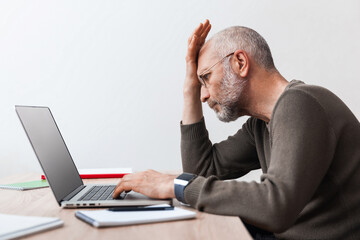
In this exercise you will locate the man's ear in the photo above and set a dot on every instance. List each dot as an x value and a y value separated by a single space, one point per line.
242 63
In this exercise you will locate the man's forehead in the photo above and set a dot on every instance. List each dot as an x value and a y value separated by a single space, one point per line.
206 57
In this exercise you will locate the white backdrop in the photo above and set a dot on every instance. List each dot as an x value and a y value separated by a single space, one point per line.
112 71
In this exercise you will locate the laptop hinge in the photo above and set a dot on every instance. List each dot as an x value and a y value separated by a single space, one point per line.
73 193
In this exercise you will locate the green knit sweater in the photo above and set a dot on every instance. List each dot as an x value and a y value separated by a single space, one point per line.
310 157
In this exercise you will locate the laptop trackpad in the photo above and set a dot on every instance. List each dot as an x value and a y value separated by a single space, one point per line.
134 195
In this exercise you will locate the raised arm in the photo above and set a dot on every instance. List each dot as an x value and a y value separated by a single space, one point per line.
199 155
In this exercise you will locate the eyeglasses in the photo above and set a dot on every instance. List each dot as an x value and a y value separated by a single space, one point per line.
203 77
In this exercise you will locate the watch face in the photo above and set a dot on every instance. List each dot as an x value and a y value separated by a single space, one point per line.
180 182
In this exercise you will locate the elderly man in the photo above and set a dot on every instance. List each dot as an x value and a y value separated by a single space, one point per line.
303 137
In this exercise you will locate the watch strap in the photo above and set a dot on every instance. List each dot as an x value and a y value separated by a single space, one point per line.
180 184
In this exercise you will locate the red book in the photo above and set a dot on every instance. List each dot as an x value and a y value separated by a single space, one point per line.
102 173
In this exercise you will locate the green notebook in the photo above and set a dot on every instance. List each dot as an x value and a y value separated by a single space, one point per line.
26 185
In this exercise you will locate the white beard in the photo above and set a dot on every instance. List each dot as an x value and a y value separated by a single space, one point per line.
232 88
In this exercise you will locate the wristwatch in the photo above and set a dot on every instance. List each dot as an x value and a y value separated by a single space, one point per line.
180 184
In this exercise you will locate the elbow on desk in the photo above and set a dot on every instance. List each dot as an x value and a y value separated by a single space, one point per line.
278 224
278 219
274 219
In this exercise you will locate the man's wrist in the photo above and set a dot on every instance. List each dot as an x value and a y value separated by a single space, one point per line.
170 187
192 92
192 111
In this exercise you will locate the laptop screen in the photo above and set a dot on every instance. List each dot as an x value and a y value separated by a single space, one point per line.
50 149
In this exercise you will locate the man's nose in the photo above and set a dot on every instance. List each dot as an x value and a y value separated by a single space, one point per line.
204 94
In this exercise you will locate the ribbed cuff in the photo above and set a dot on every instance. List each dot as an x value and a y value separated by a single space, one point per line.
192 191
193 131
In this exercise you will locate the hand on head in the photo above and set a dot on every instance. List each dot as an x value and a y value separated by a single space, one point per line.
196 40
192 111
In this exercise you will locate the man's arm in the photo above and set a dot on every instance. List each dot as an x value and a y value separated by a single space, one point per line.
192 111
198 154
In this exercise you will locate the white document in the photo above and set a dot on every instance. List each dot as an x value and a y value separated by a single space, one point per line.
14 226
106 218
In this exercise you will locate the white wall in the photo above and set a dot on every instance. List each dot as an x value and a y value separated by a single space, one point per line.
112 71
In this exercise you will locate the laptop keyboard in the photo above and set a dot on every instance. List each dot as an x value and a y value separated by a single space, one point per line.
100 193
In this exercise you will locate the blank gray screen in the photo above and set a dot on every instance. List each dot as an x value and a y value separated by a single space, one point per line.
50 149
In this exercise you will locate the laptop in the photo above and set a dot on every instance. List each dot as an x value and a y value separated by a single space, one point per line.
60 170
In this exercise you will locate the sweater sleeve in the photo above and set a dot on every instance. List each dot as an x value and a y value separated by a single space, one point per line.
231 158
303 144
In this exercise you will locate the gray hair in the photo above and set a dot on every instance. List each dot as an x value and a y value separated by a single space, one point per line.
237 37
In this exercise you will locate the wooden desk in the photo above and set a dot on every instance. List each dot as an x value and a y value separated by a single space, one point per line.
41 202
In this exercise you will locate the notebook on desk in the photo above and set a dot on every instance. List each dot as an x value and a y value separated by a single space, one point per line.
15 226
60 170
106 218
25 185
